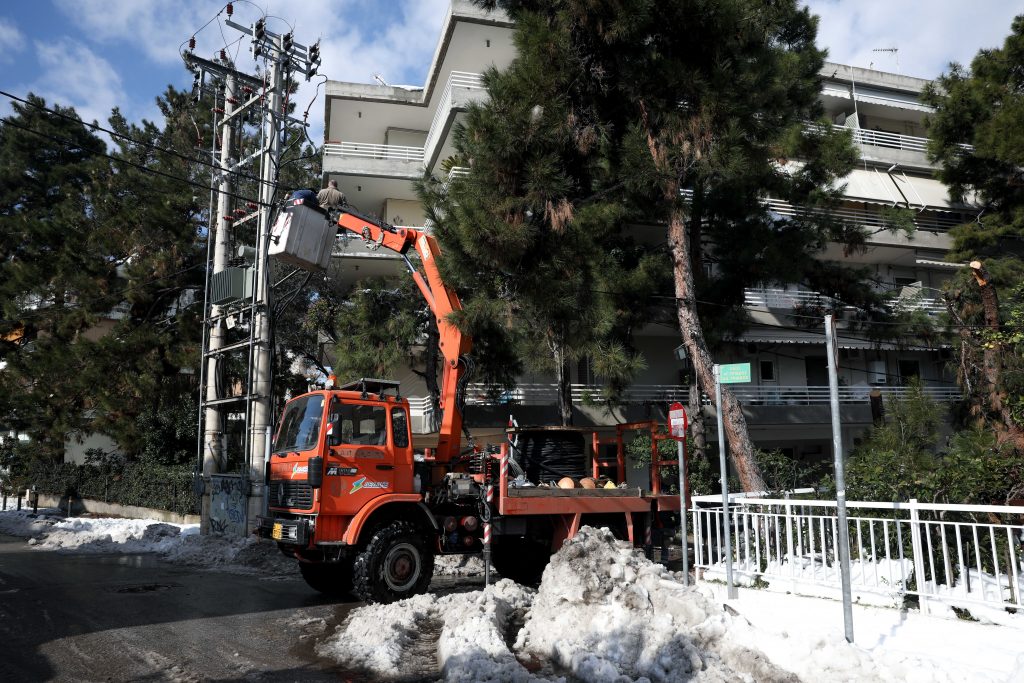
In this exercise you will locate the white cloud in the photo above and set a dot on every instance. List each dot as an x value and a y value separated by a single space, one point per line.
358 37
74 75
12 39
928 35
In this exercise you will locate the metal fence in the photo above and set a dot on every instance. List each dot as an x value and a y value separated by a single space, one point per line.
963 556
767 394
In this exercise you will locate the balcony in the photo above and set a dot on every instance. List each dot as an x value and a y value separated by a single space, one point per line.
546 394
357 158
905 300
462 89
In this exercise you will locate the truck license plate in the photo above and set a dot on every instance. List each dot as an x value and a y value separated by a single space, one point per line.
276 533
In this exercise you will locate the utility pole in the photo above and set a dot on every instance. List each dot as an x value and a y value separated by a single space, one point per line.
262 371
213 455
250 294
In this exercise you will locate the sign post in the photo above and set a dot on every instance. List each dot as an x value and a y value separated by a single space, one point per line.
734 373
677 424
837 451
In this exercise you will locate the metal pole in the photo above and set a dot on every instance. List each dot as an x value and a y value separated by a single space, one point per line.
837 450
261 371
681 459
213 455
726 522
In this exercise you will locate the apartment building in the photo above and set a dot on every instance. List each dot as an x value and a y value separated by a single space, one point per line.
379 139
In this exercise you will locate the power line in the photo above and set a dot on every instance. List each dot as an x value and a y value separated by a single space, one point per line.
132 140
145 169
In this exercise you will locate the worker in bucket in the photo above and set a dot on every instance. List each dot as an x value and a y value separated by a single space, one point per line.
331 198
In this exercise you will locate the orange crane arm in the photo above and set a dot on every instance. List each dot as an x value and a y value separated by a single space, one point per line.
442 302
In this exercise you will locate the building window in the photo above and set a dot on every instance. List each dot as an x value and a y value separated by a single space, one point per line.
768 371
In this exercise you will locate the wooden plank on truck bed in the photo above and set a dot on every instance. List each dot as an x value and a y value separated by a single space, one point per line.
540 492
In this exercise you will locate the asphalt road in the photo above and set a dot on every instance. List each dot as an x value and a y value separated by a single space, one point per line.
83 617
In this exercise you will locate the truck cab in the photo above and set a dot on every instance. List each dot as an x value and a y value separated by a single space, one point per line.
340 455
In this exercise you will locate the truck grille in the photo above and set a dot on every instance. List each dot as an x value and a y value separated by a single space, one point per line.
285 493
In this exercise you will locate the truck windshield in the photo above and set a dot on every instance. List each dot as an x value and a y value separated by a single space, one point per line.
300 427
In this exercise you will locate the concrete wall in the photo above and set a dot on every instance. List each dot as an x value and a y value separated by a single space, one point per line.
97 507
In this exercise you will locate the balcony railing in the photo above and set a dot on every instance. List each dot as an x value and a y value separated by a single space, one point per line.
763 297
456 172
547 394
361 150
868 216
879 138
457 79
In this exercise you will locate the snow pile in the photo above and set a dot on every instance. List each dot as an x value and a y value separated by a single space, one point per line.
606 613
980 586
458 565
461 637
239 555
181 544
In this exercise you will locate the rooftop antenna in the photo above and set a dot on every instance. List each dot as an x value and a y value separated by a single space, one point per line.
380 79
894 51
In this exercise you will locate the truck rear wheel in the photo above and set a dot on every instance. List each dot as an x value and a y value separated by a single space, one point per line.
330 578
397 563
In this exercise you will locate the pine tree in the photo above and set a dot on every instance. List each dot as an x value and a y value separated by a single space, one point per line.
531 234
699 105
85 235
984 107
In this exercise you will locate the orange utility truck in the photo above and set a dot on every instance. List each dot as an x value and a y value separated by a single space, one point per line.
365 513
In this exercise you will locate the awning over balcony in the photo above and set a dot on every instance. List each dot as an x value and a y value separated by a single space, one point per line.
871 186
768 335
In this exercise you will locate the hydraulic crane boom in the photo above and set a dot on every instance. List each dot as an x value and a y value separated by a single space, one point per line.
442 300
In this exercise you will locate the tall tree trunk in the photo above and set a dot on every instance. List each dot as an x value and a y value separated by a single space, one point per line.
563 379
740 447
992 360
698 430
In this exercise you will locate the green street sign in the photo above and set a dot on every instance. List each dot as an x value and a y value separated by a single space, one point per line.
734 373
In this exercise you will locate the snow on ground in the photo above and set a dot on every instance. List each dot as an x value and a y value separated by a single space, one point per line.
873 582
603 613
806 635
460 637
178 543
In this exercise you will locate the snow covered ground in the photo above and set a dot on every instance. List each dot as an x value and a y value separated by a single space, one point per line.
603 613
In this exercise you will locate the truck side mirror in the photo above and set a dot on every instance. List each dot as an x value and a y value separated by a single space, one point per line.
315 472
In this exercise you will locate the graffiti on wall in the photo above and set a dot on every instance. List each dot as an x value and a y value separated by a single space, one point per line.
227 506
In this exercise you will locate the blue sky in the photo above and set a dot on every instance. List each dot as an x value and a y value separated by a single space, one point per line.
97 54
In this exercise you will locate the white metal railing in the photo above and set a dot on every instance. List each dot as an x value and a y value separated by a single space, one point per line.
547 394
954 554
869 216
455 172
361 150
764 297
878 138
457 79
767 297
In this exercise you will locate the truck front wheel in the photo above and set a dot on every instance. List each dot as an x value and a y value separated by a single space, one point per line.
397 563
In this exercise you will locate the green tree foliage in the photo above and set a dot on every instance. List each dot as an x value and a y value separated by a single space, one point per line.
378 324
532 233
984 107
100 264
909 457
688 112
